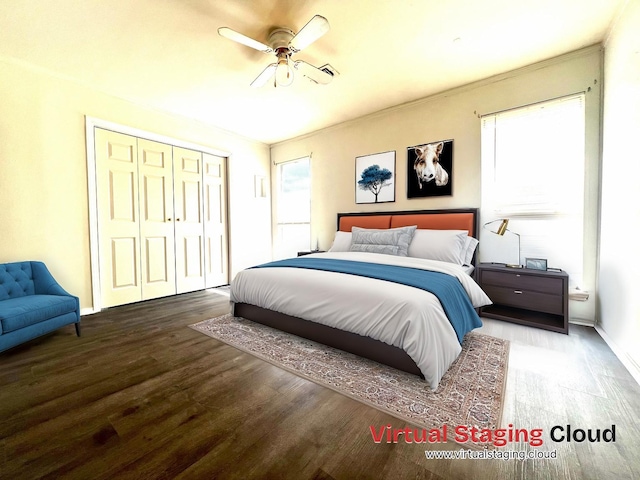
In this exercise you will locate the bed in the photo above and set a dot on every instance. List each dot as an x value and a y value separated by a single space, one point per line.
372 312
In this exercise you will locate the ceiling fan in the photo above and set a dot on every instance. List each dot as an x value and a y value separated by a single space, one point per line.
284 43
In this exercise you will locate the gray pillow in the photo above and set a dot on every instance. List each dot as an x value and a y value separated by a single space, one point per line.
392 241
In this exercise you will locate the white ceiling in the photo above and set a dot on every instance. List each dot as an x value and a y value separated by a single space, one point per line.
167 54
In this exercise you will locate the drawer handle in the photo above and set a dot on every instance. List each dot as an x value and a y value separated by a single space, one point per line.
517 291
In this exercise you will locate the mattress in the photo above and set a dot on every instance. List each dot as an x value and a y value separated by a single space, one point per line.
399 315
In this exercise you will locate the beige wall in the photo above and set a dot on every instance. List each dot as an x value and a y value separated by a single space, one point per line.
452 115
619 277
43 173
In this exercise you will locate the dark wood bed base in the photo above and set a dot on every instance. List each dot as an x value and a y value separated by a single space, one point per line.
349 342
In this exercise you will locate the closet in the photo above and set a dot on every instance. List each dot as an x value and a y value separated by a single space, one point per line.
161 218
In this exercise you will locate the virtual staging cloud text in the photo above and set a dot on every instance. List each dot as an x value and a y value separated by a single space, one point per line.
498 437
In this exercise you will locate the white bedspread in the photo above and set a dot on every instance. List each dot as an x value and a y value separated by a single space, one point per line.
403 316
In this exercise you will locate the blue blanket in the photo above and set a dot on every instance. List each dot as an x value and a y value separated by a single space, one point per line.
446 288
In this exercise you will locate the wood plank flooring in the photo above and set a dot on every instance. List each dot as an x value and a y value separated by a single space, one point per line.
141 395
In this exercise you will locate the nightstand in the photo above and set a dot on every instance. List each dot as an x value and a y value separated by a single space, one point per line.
309 252
538 298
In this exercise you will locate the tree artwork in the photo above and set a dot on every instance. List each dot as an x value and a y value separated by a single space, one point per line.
373 178
373 173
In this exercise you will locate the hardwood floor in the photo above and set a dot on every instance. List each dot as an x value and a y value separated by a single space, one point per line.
141 395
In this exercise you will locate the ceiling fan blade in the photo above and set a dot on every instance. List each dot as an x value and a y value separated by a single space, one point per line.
313 30
266 74
315 74
243 39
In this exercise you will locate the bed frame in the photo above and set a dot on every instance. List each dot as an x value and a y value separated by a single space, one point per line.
451 219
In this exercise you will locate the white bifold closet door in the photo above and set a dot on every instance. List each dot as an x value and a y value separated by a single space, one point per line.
215 220
118 221
189 224
157 235
161 219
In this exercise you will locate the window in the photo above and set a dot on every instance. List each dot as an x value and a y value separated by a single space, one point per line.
293 210
533 161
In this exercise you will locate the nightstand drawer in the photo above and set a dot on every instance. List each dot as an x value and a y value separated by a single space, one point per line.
521 298
523 281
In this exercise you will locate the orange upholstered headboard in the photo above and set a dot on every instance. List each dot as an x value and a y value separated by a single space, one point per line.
452 219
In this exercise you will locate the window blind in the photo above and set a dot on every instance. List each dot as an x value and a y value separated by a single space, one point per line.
293 209
533 161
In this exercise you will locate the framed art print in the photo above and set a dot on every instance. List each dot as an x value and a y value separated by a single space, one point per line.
430 169
375 178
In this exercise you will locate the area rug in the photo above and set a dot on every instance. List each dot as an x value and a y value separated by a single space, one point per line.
470 393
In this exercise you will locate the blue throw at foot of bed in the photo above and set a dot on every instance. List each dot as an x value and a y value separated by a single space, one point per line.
448 289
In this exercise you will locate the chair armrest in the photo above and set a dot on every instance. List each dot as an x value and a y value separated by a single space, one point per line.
45 284
43 281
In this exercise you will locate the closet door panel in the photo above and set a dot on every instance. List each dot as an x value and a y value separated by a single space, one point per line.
118 226
215 220
157 236
189 224
124 254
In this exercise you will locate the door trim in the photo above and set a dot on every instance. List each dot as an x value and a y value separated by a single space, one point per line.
90 124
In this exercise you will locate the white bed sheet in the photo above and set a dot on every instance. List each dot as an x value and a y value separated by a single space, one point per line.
406 317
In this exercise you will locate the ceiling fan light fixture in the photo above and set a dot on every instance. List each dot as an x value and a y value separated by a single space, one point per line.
284 72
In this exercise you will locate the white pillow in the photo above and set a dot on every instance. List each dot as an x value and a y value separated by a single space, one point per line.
443 245
391 241
469 248
341 242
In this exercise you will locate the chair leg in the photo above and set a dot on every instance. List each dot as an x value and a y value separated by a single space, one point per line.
77 324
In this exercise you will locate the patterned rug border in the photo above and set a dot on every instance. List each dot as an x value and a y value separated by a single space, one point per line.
390 379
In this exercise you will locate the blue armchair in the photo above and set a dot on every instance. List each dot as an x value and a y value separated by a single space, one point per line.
32 303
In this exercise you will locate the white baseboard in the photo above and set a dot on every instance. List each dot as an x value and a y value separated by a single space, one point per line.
582 321
622 355
87 311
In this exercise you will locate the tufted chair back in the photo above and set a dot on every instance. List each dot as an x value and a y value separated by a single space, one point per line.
16 280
